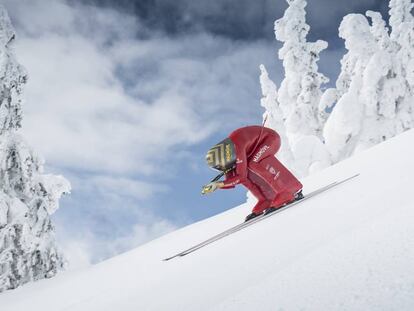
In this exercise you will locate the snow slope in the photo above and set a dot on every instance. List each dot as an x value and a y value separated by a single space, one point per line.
351 248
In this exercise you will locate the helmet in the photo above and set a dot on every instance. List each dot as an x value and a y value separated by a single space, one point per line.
222 156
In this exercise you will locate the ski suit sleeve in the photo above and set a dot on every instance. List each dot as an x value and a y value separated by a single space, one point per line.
239 175
229 175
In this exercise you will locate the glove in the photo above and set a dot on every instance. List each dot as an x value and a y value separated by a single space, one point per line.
209 188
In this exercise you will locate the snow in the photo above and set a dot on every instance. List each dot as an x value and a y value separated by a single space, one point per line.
351 248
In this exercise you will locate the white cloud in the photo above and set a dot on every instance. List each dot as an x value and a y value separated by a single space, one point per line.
121 187
101 99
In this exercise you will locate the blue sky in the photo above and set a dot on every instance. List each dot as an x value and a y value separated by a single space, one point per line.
125 97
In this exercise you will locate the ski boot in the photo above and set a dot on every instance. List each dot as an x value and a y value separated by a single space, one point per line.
271 210
299 196
251 216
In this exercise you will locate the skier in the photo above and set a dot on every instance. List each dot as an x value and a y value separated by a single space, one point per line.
247 157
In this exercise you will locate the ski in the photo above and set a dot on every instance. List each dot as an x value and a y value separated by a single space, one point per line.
257 219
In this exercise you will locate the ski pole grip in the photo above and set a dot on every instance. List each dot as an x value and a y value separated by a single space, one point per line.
206 189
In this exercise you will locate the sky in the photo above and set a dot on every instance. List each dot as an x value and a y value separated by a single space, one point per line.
125 97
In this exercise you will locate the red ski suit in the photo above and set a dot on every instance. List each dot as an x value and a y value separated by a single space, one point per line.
258 169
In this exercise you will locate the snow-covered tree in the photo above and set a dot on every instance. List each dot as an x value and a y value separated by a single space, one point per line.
402 24
344 124
400 18
27 196
300 92
386 95
380 32
374 97
273 114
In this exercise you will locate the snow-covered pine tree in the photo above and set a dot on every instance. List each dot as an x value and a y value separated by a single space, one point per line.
402 25
386 95
381 32
300 92
376 98
400 18
28 197
344 124
383 87
273 115
353 64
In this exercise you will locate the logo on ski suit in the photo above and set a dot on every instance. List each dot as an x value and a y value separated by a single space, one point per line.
260 153
273 171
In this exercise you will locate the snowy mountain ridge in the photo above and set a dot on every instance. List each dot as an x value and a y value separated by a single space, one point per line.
351 248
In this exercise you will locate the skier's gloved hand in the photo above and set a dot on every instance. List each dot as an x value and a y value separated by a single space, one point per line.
211 187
